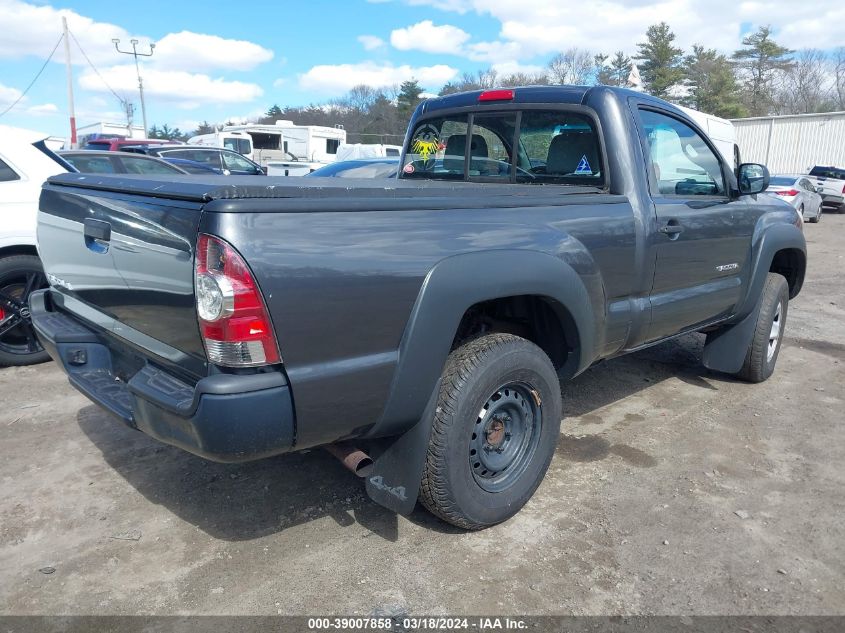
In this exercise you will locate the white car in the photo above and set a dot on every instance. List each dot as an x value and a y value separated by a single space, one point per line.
25 163
800 193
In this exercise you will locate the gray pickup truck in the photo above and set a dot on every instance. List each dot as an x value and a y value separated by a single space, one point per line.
419 326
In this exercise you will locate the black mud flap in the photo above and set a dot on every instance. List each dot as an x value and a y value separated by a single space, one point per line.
395 479
726 348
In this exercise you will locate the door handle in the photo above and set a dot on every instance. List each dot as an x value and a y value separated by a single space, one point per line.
673 229
97 229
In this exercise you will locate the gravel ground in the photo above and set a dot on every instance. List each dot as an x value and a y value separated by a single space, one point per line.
674 491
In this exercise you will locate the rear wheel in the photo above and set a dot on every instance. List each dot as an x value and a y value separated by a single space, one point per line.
20 276
494 432
763 352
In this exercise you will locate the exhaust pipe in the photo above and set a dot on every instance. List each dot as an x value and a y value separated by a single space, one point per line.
355 460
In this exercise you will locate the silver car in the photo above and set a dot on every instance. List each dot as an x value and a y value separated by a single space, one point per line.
800 193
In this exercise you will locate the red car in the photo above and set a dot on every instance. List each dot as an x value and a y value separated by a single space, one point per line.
114 144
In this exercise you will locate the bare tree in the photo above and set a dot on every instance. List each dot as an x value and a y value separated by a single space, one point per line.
805 86
839 77
573 66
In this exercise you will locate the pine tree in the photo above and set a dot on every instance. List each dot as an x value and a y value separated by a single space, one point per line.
761 61
661 61
712 84
409 97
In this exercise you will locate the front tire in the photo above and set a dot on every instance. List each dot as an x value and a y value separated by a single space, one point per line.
765 346
494 432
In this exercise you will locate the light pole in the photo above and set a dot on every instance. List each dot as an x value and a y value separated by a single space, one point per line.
134 52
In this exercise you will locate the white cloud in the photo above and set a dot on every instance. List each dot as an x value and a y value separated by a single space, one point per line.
183 89
8 95
332 79
278 83
371 42
539 27
511 68
198 52
427 37
32 29
44 109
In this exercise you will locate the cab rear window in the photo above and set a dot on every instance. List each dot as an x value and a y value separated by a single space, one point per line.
530 146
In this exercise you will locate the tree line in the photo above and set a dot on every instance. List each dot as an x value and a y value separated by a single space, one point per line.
760 78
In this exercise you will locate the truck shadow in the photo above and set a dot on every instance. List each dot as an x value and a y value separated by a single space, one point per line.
236 502
241 502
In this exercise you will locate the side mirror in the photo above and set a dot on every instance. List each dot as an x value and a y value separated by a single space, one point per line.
752 178
819 189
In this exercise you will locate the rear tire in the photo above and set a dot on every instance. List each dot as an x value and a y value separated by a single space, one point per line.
494 432
20 275
765 346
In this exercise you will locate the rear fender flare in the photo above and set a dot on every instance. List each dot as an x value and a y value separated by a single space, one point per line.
451 287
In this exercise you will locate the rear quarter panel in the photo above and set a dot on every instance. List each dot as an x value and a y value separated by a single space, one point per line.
341 286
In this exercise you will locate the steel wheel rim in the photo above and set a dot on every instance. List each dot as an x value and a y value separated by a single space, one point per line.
17 335
774 332
505 436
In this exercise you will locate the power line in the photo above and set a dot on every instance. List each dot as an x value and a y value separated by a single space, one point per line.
94 68
37 75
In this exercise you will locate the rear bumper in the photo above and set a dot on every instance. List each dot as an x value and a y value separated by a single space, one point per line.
224 417
832 202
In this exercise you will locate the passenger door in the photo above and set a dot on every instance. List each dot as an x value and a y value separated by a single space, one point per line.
703 237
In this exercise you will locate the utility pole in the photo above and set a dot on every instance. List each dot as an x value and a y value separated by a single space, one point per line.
134 52
69 85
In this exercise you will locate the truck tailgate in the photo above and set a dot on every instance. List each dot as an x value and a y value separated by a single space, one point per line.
125 263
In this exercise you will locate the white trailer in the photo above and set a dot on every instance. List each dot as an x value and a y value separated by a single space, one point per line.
240 142
105 129
793 143
283 144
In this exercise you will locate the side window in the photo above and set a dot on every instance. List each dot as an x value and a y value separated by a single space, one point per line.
683 164
332 144
7 174
139 165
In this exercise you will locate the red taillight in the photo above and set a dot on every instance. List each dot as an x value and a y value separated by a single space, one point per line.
496 95
843 189
233 319
788 192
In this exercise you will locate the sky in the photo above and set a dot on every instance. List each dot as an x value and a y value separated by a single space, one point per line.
219 61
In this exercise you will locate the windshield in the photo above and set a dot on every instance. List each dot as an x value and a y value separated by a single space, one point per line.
828 172
531 146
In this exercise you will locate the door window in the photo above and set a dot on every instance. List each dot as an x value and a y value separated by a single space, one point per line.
682 163
236 162
7 173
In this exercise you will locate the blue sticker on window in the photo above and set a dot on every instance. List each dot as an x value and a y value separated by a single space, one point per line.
584 166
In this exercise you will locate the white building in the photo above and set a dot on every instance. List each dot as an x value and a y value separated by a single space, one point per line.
792 143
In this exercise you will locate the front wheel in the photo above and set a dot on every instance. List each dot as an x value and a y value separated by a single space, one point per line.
494 431
20 276
763 351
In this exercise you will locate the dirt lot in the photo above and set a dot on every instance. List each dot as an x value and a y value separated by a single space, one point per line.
674 491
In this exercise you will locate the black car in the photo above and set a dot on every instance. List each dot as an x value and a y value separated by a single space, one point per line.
89 161
219 160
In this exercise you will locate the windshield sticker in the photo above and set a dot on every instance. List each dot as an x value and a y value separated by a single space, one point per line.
426 143
409 168
584 166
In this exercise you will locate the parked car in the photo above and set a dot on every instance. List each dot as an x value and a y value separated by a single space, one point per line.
800 193
360 168
115 144
222 161
832 182
437 312
89 161
25 163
